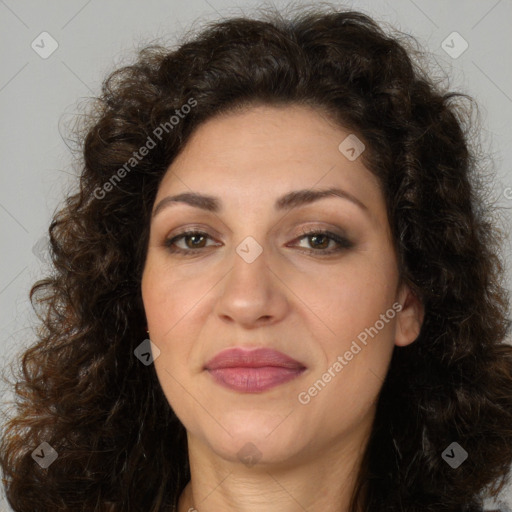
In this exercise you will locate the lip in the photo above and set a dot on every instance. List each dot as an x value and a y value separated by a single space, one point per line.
253 371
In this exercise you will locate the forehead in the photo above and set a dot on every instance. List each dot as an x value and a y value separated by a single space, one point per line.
266 151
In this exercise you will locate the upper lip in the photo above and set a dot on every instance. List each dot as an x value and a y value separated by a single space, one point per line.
256 358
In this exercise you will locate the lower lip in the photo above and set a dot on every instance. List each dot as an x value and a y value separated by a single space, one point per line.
254 380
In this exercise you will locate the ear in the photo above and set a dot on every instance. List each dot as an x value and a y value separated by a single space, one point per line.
410 317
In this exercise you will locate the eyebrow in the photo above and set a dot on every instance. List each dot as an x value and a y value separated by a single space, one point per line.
290 200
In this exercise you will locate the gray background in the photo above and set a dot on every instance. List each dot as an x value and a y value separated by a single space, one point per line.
38 98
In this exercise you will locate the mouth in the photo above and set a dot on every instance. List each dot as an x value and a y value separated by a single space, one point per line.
253 371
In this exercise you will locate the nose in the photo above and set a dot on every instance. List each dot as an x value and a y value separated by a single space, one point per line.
252 293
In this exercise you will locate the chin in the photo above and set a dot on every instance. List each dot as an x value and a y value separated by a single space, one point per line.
252 442
250 451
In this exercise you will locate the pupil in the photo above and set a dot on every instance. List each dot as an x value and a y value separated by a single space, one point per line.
315 237
192 237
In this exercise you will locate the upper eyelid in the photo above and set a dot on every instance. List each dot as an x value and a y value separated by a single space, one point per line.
303 231
310 226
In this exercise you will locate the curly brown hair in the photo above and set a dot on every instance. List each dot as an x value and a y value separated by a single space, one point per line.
81 389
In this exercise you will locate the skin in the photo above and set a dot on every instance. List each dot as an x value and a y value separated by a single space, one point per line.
308 306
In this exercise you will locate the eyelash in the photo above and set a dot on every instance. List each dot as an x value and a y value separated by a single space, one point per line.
343 243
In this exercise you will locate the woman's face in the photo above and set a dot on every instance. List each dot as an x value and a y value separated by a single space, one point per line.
252 279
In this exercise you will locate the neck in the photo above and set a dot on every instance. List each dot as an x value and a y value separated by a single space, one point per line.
322 481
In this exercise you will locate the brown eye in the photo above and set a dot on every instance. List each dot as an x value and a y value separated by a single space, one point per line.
320 240
194 240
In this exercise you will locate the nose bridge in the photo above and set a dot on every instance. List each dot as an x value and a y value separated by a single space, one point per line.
250 290
249 273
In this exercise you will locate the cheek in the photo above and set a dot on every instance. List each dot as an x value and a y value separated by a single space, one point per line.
344 301
168 304
175 312
168 299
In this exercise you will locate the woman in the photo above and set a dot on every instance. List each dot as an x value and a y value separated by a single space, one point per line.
277 289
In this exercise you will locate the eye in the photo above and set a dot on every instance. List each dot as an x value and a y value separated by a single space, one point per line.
196 237
320 240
